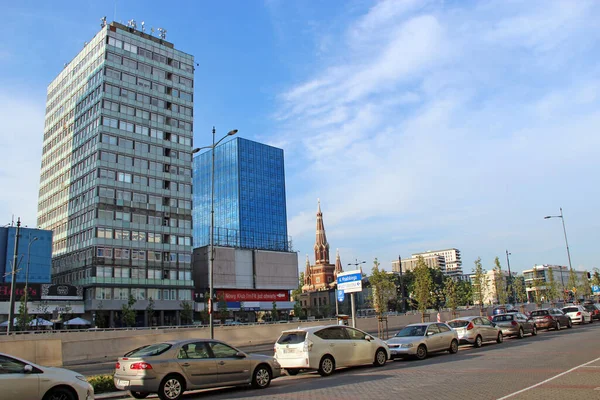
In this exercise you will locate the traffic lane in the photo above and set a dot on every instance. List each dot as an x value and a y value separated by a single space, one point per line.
490 372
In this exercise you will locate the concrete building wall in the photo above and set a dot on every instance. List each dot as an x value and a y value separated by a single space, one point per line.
276 270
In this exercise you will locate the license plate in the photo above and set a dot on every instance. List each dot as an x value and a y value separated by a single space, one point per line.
288 351
122 384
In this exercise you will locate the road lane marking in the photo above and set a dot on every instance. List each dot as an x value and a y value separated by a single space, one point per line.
549 379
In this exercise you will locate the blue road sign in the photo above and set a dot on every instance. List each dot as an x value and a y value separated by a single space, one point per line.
340 294
596 289
350 281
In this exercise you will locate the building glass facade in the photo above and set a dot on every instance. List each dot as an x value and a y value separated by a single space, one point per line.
116 173
249 199
38 255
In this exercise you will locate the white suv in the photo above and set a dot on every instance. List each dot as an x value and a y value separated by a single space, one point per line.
325 348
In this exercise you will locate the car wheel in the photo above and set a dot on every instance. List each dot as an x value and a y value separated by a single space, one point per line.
171 388
557 325
534 331
262 377
139 395
591 319
380 358
521 334
292 372
478 341
453 347
421 352
570 324
60 394
500 338
326 366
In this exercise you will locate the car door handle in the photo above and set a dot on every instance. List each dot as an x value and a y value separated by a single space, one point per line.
354 344
331 344
185 365
221 362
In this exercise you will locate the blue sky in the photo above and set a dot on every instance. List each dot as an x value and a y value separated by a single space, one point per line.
419 124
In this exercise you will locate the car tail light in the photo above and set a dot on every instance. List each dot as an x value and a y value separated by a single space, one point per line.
547 317
140 365
578 314
117 365
514 323
308 345
470 326
490 317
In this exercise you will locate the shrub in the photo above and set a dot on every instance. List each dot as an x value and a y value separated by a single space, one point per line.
102 383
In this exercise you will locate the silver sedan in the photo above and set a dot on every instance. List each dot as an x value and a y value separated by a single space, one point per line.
418 340
171 368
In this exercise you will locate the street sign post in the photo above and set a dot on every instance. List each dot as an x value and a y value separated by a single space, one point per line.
350 282
340 295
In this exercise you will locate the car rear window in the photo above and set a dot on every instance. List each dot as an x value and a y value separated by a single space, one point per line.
589 307
149 351
292 338
570 309
502 318
539 313
460 323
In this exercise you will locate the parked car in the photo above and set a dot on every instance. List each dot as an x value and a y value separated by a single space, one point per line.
594 309
171 368
21 379
548 318
578 314
418 340
503 309
515 324
475 330
325 348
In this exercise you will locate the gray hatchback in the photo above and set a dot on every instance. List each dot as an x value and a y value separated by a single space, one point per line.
171 368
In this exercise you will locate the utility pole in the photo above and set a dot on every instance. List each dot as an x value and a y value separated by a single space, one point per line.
402 299
512 289
11 310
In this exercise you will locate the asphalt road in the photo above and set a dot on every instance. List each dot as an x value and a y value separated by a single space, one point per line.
553 365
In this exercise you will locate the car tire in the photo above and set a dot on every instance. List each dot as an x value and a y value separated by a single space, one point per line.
171 388
453 347
380 358
557 325
591 319
421 352
534 331
570 324
500 338
60 393
521 334
261 378
139 395
478 342
292 371
326 366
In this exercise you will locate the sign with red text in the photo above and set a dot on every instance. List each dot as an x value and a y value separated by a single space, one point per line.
34 290
254 295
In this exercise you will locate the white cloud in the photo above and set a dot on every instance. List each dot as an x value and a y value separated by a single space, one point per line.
442 123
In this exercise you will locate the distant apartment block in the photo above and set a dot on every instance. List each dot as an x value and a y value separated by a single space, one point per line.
452 260
431 260
537 277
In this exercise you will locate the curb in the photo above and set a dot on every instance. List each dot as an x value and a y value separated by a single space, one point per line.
112 395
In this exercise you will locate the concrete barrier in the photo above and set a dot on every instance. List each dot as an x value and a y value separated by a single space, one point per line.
46 352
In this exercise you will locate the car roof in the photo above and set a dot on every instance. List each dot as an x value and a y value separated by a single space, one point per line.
425 323
467 318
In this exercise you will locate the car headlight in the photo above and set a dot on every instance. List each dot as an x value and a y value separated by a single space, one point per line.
81 378
407 346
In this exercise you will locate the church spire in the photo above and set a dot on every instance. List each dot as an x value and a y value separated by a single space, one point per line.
321 245
307 273
338 264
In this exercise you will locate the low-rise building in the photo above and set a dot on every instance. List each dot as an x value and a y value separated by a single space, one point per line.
537 277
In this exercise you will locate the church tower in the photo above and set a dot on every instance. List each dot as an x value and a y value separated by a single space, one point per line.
322 273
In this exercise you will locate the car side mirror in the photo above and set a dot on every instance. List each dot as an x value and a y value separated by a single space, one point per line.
240 354
28 369
368 337
430 333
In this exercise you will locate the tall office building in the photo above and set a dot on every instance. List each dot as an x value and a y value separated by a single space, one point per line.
249 198
116 175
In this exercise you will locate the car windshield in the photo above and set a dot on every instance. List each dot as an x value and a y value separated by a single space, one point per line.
502 318
570 309
292 338
539 313
417 330
148 351
459 323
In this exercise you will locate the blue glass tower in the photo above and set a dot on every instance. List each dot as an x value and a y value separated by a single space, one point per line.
38 254
249 200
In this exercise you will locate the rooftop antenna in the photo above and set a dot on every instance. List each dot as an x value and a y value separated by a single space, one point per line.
143 27
103 22
162 33
151 31
131 23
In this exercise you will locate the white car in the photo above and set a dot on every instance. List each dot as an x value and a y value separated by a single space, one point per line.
578 314
476 330
325 348
20 379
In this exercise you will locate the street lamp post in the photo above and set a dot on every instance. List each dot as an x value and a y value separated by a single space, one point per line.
402 299
31 240
356 264
512 289
211 251
566 243
11 310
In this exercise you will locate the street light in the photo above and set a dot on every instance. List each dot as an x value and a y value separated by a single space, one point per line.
31 240
211 258
512 288
566 242
356 264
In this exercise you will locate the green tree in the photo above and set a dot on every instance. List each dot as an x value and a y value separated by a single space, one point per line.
519 288
596 277
274 312
186 313
383 289
67 314
298 309
296 296
585 289
222 307
150 311
423 287
500 283
480 284
551 287
128 311
451 294
23 319
573 283
539 287
101 317
464 293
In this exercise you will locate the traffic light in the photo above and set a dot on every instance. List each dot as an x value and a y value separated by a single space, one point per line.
589 275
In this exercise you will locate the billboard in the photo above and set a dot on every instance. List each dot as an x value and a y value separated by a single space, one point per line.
234 295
